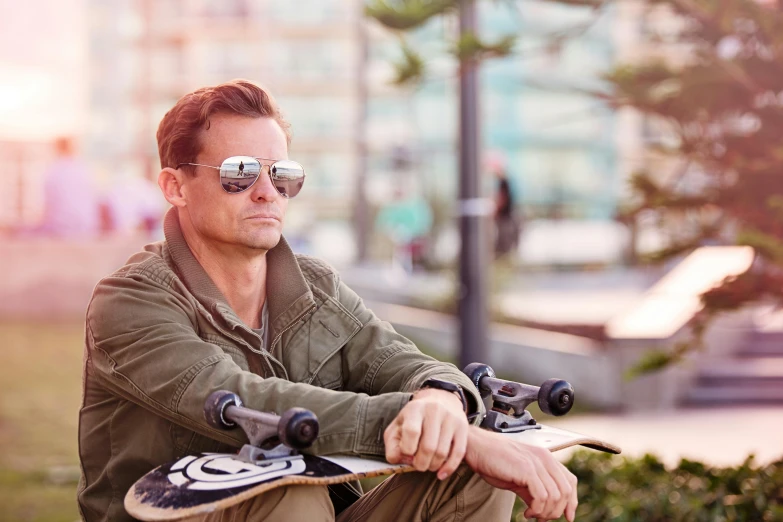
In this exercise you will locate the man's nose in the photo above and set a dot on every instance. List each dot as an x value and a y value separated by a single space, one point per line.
263 190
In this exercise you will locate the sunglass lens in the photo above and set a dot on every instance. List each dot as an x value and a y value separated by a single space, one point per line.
287 177
238 173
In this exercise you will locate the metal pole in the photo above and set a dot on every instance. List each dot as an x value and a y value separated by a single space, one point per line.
472 209
361 213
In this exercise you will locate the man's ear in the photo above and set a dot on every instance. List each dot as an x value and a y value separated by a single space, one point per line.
171 182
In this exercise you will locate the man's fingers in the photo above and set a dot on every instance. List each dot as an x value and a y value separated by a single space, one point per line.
560 489
458 448
443 448
544 505
570 513
536 488
428 444
410 431
566 485
573 500
546 486
556 501
391 439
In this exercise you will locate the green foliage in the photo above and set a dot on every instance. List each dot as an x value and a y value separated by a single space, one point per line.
713 87
410 68
766 245
719 104
471 47
584 3
655 360
406 15
616 489
717 98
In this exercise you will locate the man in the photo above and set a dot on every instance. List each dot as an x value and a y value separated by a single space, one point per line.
223 303
71 207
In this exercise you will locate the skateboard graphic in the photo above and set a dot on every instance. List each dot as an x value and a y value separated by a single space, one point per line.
200 484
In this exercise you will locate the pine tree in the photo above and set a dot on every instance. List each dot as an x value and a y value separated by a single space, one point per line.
717 100
719 103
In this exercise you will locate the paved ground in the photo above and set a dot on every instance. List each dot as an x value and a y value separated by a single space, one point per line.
566 297
719 436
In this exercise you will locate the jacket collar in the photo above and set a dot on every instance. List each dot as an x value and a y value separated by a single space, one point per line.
287 292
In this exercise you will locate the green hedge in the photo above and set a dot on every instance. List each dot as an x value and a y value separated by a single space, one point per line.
613 488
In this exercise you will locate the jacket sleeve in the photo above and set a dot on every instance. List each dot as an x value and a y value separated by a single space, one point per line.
384 361
143 346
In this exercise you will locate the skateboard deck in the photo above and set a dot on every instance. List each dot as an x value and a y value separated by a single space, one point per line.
200 484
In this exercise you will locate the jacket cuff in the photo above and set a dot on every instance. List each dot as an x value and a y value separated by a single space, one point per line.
476 407
375 414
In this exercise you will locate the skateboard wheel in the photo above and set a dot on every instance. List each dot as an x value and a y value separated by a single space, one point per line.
476 372
215 407
298 428
556 397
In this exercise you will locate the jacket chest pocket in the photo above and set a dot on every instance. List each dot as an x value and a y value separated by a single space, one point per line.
312 352
236 353
330 374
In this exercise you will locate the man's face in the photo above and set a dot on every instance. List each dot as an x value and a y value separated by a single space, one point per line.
252 219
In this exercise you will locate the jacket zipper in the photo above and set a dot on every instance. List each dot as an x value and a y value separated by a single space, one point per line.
230 336
241 341
300 317
263 353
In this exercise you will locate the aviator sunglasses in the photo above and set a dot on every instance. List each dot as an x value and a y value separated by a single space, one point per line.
239 173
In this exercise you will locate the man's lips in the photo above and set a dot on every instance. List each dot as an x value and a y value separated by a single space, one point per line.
264 216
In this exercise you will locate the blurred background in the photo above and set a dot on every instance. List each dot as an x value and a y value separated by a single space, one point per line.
628 171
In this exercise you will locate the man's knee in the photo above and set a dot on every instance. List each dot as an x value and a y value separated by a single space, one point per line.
309 503
463 495
478 497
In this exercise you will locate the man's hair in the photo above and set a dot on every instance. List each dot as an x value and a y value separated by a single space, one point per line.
180 129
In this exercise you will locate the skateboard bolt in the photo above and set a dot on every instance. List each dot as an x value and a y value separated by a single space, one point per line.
504 425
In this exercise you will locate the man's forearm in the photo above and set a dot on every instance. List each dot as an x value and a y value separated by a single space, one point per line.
381 360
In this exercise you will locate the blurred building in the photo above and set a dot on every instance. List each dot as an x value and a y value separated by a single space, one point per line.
565 154
22 191
146 54
42 97
558 142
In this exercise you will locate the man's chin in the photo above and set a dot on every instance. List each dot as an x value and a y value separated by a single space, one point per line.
266 242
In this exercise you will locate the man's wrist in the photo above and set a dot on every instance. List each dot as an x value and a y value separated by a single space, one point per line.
448 387
442 395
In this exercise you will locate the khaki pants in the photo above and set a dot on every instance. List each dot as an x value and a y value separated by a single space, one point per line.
409 497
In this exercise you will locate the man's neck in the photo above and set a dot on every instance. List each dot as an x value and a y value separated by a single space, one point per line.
239 273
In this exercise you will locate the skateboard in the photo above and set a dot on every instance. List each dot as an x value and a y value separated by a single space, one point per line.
200 484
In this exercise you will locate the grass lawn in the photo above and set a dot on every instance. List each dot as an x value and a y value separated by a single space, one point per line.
40 393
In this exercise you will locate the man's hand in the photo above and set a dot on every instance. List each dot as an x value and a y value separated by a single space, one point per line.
546 486
430 432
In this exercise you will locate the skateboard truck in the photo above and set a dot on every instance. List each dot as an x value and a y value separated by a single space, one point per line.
271 437
508 413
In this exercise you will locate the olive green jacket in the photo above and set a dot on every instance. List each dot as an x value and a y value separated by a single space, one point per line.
160 337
